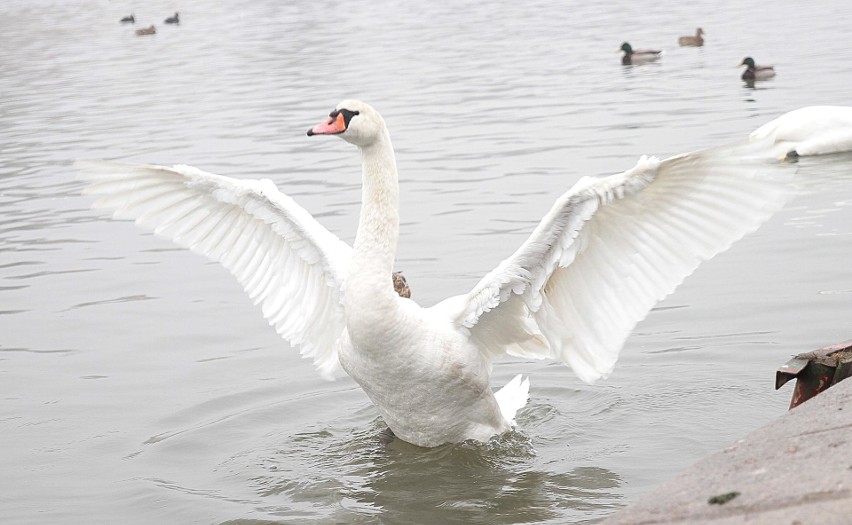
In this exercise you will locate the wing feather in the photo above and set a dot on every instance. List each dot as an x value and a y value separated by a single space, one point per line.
286 261
611 248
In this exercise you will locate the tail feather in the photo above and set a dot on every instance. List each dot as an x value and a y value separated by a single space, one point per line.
513 397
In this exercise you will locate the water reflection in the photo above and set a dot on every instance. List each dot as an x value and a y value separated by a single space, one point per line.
824 172
496 482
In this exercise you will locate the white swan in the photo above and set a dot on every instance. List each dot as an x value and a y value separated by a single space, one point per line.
813 130
606 252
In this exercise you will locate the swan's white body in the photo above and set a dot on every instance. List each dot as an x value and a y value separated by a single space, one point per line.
813 130
607 251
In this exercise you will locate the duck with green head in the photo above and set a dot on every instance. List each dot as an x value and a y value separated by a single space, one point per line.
638 56
755 72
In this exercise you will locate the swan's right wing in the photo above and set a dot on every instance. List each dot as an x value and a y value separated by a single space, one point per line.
287 262
611 248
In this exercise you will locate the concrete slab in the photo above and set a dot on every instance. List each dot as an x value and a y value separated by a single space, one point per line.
796 470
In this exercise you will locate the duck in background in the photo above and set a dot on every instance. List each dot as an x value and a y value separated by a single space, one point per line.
638 56
129 19
400 285
146 31
755 72
696 41
173 19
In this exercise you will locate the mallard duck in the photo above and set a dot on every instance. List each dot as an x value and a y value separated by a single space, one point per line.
146 31
754 72
697 40
638 56
173 19
128 20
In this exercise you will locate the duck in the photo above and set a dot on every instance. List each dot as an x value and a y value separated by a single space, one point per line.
400 285
697 40
755 72
173 19
808 131
128 19
604 254
146 31
638 56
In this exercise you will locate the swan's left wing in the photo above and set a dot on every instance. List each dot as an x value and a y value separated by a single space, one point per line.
611 248
287 261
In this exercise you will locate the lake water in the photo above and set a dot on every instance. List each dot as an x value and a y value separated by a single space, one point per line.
138 384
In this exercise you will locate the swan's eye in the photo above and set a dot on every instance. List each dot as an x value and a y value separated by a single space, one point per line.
347 115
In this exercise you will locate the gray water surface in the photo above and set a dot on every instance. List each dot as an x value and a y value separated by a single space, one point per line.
138 384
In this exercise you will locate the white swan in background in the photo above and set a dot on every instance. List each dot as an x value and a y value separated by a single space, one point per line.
606 252
813 130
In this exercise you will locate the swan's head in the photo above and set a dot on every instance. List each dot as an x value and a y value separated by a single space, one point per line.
353 121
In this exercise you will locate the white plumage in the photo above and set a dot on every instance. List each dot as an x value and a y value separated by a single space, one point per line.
608 250
286 261
813 130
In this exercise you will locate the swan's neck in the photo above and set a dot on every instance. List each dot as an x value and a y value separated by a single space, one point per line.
369 289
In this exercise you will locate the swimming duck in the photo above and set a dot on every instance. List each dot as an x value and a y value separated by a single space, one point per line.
128 19
607 251
638 56
146 31
173 19
697 40
400 285
754 72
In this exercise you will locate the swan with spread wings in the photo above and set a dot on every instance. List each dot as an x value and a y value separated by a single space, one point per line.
607 251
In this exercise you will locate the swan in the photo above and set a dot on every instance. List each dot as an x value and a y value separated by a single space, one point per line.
607 251
756 72
696 40
813 130
638 56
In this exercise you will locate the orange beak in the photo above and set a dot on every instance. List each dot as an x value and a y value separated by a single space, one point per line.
332 126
